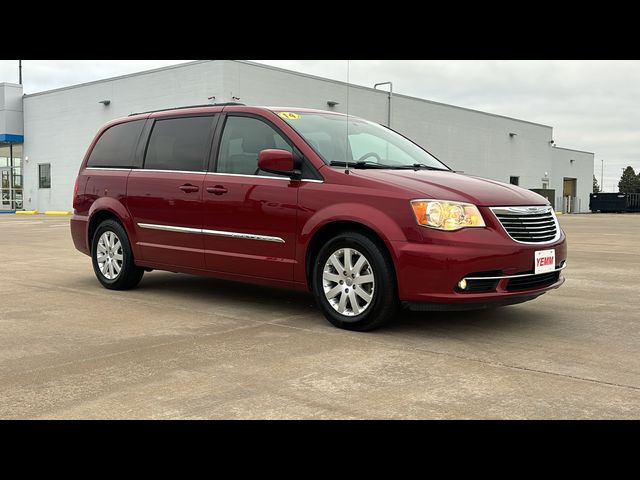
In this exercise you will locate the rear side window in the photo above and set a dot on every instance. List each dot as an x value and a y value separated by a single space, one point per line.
179 144
116 146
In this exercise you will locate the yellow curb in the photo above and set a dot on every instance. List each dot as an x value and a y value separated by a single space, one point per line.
558 213
52 212
26 212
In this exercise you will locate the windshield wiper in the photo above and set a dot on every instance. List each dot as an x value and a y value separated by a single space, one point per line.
418 166
370 164
360 164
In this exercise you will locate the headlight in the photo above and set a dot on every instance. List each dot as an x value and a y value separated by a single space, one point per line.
446 215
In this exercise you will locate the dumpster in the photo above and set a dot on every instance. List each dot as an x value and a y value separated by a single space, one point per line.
614 202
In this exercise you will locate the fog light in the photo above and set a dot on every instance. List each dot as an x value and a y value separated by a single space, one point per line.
462 284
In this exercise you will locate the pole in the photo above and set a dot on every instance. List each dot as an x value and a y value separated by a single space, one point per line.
20 72
12 193
390 99
602 175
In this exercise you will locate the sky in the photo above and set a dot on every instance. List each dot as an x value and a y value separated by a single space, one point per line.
591 105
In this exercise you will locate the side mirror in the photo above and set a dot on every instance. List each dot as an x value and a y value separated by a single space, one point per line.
277 161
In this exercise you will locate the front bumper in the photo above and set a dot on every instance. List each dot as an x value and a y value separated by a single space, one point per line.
429 271
477 305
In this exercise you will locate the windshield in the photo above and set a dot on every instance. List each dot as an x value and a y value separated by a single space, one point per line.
368 145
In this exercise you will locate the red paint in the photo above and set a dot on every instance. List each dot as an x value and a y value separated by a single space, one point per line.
159 198
428 263
274 160
265 206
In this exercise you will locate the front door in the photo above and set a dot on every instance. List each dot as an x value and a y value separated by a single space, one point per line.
249 224
569 195
5 188
165 196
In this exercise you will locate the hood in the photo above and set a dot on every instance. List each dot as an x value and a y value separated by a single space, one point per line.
455 186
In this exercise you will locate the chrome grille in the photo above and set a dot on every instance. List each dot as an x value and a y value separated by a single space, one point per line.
529 224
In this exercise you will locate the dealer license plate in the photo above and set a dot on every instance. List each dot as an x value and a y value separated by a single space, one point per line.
545 261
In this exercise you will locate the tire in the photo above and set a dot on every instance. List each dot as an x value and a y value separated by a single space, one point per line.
336 299
111 242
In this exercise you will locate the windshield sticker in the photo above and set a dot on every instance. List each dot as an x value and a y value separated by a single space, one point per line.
289 115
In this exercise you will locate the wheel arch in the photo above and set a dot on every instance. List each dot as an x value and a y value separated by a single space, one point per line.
330 229
105 209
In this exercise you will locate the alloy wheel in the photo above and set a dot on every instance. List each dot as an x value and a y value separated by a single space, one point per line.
109 255
348 282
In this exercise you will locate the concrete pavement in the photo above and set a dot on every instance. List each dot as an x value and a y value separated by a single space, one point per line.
187 347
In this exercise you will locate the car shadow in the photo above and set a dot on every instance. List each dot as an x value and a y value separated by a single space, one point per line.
500 319
208 291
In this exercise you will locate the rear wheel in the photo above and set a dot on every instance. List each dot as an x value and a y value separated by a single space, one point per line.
112 257
354 282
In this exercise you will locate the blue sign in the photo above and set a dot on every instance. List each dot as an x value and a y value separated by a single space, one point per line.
8 137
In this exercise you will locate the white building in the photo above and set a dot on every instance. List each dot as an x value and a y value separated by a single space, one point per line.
44 136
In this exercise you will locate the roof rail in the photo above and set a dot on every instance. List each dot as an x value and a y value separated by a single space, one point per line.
189 106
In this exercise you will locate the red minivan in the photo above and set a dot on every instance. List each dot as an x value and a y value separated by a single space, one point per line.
312 200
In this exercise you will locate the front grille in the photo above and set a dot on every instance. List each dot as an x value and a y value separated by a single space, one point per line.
528 224
534 281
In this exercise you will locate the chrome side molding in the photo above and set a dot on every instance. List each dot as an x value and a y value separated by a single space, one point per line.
215 233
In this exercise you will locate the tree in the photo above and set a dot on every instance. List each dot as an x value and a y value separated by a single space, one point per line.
629 181
596 187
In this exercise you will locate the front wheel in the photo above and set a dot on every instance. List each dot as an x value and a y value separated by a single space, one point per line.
112 257
354 282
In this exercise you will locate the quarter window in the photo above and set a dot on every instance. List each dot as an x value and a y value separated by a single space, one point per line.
44 175
116 146
179 144
242 140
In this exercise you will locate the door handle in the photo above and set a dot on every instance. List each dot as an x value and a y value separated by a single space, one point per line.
217 190
188 188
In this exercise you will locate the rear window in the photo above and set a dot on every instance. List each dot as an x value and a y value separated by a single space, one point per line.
116 146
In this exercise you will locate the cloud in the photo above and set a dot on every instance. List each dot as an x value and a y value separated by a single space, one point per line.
592 105
40 75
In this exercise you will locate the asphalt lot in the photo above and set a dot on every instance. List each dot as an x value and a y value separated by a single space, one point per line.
187 347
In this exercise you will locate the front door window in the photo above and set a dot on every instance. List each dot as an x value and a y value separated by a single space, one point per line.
242 141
